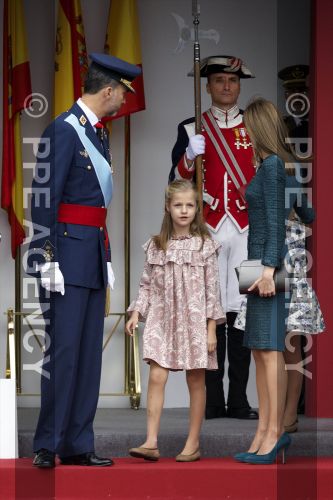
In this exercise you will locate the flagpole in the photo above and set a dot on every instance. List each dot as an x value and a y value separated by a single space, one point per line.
197 94
122 40
18 318
127 210
132 362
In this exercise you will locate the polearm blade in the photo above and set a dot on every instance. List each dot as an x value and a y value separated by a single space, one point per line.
197 94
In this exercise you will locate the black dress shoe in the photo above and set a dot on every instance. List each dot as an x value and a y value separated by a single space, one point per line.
86 459
215 412
242 413
44 459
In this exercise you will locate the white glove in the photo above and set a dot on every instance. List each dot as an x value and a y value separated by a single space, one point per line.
111 278
52 278
196 146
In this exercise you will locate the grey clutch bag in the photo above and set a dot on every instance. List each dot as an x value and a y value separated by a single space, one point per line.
250 270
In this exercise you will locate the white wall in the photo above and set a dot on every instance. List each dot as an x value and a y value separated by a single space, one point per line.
262 32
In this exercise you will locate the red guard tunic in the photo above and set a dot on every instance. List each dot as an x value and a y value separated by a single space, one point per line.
221 197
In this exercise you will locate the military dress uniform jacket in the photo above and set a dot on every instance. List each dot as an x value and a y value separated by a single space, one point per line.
221 197
65 173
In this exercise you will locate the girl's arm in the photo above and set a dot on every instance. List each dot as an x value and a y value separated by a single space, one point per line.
140 305
132 323
211 337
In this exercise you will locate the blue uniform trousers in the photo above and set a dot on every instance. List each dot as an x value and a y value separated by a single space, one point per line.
70 393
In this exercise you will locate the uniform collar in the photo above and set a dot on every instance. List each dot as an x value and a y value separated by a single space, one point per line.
87 111
229 118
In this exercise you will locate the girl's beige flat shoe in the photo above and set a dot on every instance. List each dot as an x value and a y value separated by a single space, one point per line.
151 454
189 458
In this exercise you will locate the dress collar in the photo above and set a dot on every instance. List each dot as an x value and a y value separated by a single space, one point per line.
181 237
229 118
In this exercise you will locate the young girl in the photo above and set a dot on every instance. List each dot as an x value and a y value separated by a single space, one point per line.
179 298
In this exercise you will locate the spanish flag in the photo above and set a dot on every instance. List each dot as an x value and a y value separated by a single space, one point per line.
71 62
16 97
123 41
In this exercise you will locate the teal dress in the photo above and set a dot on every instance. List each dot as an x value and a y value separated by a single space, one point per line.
267 210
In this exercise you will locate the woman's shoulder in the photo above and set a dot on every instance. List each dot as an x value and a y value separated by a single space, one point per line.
273 164
272 160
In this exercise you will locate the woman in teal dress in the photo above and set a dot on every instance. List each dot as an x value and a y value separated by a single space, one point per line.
305 317
268 209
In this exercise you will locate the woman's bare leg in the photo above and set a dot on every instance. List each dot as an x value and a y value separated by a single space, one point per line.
263 403
276 381
293 358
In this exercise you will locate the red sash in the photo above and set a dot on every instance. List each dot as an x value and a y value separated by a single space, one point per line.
84 215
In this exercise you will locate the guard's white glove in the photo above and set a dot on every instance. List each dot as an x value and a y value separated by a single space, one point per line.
52 278
111 278
196 146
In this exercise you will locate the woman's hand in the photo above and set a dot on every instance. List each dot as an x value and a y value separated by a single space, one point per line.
211 337
132 323
265 284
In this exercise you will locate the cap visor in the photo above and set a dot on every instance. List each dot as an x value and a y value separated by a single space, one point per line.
127 84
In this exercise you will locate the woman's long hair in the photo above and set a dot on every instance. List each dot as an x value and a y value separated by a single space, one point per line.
197 227
268 133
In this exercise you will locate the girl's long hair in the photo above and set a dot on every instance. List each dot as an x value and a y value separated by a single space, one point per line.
197 227
268 133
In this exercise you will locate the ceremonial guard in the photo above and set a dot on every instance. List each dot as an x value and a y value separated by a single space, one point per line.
295 81
70 251
296 92
228 165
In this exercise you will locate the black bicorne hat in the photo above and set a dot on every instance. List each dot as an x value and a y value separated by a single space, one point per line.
223 64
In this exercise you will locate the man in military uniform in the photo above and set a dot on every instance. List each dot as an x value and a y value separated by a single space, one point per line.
228 167
296 89
296 92
70 249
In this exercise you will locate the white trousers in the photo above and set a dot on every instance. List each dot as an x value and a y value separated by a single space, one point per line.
232 253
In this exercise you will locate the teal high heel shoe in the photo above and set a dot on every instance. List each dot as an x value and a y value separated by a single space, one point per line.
240 457
282 445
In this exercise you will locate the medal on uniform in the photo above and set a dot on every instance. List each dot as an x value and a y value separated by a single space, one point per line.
243 134
84 153
241 138
237 143
48 251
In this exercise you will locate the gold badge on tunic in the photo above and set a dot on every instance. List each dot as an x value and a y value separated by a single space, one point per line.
83 120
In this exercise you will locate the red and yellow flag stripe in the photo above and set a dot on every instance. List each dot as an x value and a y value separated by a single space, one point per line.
123 41
71 56
16 97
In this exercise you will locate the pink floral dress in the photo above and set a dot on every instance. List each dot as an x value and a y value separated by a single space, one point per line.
179 290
